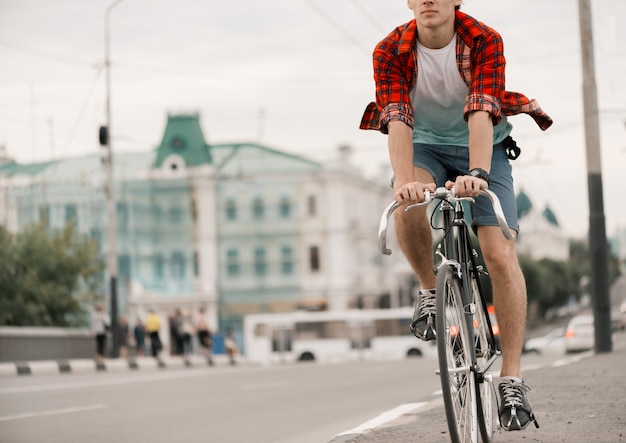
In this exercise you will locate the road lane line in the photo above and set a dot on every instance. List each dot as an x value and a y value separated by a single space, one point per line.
52 412
144 378
384 418
268 385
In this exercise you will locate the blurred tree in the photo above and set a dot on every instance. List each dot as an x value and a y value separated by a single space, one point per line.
579 258
552 283
549 283
47 279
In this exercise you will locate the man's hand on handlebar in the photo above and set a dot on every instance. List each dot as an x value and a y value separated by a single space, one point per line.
412 192
467 186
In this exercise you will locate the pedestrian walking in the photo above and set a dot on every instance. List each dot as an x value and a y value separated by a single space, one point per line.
176 331
153 326
231 347
188 331
139 332
100 324
204 336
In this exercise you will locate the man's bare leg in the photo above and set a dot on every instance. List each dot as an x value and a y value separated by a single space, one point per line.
509 295
415 238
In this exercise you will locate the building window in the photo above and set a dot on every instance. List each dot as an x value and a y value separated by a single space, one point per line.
312 205
158 263
314 258
44 215
122 215
96 237
70 213
260 261
258 209
157 213
231 209
285 207
287 260
178 265
176 215
232 262
124 267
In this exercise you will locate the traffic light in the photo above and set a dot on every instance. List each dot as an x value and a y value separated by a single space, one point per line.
103 135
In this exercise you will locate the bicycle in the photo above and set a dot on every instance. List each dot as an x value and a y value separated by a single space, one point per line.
466 344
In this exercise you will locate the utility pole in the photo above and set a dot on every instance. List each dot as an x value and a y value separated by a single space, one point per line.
105 139
597 228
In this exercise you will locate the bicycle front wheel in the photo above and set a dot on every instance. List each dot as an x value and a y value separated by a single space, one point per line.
454 342
485 352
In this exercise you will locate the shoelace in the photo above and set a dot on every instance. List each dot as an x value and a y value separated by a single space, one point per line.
428 304
513 393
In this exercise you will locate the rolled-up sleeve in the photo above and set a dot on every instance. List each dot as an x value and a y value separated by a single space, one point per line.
487 84
393 77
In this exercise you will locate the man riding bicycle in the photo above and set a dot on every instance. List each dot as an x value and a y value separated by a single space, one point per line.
440 97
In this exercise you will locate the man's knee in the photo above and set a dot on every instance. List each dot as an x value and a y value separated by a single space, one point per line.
501 259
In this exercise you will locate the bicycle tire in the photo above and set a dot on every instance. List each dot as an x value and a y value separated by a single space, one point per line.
485 349
458 381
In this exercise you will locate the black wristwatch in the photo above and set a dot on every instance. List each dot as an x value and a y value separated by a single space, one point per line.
480 173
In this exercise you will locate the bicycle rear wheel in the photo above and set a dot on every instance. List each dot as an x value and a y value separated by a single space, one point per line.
458 382
485 351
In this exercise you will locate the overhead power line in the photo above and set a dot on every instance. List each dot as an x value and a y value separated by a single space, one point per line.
54 57
370 18
338 27
82 111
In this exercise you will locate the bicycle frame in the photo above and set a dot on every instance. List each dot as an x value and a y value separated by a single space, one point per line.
457 246
467 387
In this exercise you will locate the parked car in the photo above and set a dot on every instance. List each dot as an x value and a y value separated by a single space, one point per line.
551 343
579 335
618 322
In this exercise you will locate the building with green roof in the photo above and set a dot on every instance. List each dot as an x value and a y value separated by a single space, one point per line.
235 228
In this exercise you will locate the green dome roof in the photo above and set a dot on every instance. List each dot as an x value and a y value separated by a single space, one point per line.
549 215
183 136
524 205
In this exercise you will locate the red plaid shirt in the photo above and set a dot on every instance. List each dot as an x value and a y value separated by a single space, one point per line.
480 60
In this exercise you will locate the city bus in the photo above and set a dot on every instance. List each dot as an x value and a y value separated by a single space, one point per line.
327 336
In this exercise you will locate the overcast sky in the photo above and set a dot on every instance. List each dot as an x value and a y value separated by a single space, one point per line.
295 75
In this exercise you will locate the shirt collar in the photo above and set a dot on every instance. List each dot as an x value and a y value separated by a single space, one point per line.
465 27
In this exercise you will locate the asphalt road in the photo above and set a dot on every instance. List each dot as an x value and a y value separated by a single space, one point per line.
296 403
578 398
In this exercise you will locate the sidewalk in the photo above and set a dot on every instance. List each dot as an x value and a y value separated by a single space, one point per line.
578 399
82 366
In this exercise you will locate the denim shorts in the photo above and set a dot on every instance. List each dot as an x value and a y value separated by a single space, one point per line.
448 162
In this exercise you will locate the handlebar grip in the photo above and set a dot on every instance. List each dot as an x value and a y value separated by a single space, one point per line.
497 209
382 228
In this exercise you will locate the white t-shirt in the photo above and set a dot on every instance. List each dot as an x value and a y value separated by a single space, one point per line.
99 322
439 99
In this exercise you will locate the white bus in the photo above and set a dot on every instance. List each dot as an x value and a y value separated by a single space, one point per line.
332 336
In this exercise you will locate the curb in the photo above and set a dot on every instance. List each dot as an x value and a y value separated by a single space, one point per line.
84 366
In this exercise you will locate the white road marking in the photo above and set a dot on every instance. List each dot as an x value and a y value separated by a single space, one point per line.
268 385
402 409
145 378
52 412
384 418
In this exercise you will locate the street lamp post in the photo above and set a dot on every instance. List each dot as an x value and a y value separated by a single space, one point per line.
111 213
597 227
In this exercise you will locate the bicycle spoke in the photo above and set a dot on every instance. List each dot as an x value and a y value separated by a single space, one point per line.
457 379
485 349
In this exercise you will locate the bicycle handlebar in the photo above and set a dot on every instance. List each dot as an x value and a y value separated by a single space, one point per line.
441 194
